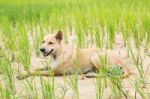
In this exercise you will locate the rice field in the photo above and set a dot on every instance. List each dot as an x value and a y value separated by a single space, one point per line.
120 25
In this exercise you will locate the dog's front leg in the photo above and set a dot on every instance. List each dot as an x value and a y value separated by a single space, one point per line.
43 73
52 71
42 69
37 73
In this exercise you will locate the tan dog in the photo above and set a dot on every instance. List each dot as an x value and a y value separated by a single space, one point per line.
67 59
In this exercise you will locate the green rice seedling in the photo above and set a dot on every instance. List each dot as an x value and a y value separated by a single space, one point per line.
24 52
1 90
101 80
45 19
145 24
111 77
1 57
38 37
7 84
79 30
79 35
115 82
74 85
116 87
5 93
139 65
136 36
125 33
63 92
32 16
69 27
48 88
31 89
9 36
90 39
8 74
138 89
111 33
98 36
100 86
126 30
62 88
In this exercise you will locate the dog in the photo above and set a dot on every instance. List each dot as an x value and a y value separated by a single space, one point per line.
67 59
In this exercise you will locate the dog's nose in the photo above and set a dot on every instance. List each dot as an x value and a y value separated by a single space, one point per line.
42 49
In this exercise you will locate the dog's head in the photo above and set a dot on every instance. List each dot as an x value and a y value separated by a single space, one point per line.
51 44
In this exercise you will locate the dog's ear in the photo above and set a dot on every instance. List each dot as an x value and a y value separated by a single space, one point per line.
59 36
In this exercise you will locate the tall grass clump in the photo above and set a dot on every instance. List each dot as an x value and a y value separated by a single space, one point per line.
8 77
37 38
9 35
79 35
48 88
24 52
138 62
136 35
98 36
74 85
30 89
111 33
145 24
138 90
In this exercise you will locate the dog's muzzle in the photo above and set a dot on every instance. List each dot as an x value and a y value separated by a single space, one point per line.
45 53
42 50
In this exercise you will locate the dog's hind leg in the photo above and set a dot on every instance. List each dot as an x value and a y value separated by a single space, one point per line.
22 76
125 68
96 63
91 75
95 60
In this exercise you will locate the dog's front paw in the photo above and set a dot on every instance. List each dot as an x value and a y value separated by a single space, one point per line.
22 76
125 75
90 75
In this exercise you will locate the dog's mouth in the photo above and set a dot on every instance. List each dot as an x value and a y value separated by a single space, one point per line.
46 54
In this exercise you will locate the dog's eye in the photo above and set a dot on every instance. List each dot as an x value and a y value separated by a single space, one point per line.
43 42
50 43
